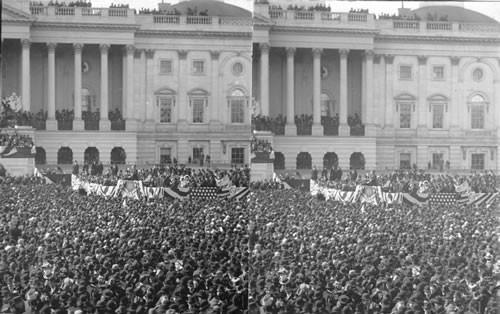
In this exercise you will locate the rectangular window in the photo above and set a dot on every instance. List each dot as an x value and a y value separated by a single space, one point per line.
404 116
405 160
237 155
477 161
198 67
438 73
405 72
477 117
165 66
166 104
165 155
197 154
437 161
237 110
198 105
437 116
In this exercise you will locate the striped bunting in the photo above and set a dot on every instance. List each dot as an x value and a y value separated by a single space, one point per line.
482 198
153 192
234 192
106 191
179 193
415 199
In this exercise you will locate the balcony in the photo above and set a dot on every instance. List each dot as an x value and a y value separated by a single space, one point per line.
320 18
83 14
189 23
65 125
91 125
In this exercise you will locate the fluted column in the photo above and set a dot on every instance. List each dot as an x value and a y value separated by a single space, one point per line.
150 97
215 103
104 123
454 107
290 127
343 127
124 83
131 123
78 124
25 87
51 123
369 99
264 79
317 128
183 106
389 101
422 93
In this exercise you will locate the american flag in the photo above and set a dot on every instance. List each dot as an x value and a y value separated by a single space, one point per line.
442 199
204 193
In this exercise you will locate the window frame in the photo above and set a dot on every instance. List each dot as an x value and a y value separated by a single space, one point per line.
242 97
242 152
483 118
410 105
443 78
483 161
434 106
193 105
193 67
160 67
201 150
242 68
401 159
165 94
411 72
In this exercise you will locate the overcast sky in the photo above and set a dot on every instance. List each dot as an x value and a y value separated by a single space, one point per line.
490 8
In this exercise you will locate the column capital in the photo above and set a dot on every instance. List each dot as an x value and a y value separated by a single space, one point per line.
104 48
214 54
138 53
317 52
376 58
389 59
290 51
182 54
150 53
78 47
264 47
369 54
129 49
26 43
343 53
422 60
51 47
455 60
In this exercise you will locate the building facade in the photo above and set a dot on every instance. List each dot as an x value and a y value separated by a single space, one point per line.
371 93
147 87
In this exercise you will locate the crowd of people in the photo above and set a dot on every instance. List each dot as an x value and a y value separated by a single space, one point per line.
172 176
318 7
407 181
315 256
260 145
414 17
157 12
14 139
63 252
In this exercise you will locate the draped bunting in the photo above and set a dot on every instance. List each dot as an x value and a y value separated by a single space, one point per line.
374 195
136 190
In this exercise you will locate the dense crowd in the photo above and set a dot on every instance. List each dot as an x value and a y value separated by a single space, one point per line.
173 176
406 181
260 145
313 256
9 139
62 252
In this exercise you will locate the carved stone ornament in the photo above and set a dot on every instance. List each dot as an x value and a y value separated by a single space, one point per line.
182 54
264 47
290 51
344 53
422 60
389 59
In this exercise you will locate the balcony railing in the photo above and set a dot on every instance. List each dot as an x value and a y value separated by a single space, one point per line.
406 24
166 19
118 125
80 11
64 125
357 17
330 16
438 26
91 125
204 20
320 17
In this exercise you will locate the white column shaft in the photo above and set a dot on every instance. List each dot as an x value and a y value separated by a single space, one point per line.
104 83
264 80
130 83
51 105
25 87
290 87
343 88
78 82
369 99
317 86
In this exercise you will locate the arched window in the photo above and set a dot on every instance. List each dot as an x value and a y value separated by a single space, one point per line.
478 107
304 161
198 99
91 154
64 155
165 101
330 160
279 161
357 161
237 103
118 156
40 157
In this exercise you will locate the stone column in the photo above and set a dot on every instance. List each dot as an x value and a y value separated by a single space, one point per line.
182 102
124 83
25 87
51 123
317 128
422 94
78 124
389 97
496 108
150 97
454 107
370 129
131 124
264 79
290 127
215 103
104 123
343 126
140 85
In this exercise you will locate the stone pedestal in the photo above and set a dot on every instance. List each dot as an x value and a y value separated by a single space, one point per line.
291 129
317 130
104 125
78 125
131 125
370 130
51 125
344 130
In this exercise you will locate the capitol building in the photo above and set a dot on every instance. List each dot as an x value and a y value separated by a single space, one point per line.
349 89
132 87
378 92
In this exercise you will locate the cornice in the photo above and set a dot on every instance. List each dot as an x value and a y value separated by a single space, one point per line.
18 14
302 29
436 38
94 26
193 34
17 21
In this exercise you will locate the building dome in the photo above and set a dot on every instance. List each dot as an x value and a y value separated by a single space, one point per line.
213 8
453 14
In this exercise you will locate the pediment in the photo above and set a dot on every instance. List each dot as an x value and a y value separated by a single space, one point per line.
12 14
262 20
